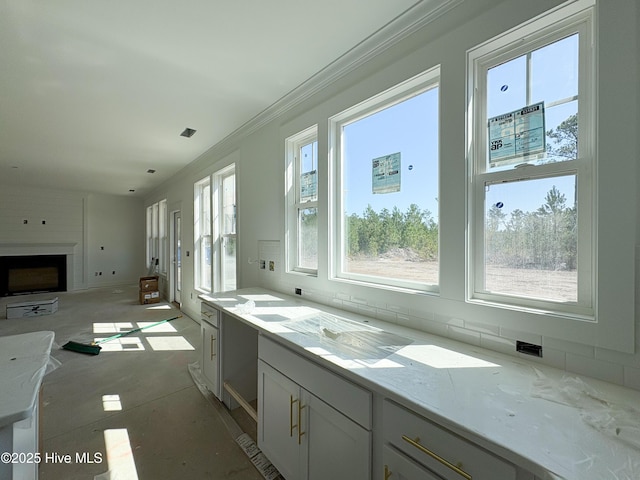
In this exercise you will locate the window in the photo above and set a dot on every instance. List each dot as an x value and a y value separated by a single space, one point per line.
215 235
202 234
385 179
532 160
302 201
162 230
226 246
157 236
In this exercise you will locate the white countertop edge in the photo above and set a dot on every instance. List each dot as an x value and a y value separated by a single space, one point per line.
33 350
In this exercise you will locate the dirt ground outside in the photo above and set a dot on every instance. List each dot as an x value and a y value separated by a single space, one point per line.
556 285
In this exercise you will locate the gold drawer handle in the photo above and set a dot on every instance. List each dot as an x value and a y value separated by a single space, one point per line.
416 443
300 432
208 314
291 425
387 472
213 339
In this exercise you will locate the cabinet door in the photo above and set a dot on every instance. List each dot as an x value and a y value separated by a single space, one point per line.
279 436
334 446
210 357
398 466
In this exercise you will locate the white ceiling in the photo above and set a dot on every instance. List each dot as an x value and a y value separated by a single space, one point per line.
95 93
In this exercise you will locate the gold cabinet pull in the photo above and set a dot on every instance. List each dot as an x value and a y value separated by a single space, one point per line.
291 425
435 456
387 472
213 339
300 432
207 314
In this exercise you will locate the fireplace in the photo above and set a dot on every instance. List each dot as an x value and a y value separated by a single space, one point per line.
20 274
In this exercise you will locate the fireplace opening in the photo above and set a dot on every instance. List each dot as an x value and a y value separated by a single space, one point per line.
32 274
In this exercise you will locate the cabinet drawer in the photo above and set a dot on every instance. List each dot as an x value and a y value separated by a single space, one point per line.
209 315
442 451
346 397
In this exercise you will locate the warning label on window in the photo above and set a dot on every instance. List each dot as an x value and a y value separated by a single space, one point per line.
516 134
385 173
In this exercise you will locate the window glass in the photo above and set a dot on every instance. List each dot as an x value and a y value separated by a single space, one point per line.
532 199
546 77
202 226
308 238
226 204
302 201
389 165
531 240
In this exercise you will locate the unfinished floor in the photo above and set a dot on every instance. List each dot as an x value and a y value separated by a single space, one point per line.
137 397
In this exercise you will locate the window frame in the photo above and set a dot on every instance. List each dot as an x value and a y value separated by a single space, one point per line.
156 218
201 202
414 86
295 205
220 237
551 27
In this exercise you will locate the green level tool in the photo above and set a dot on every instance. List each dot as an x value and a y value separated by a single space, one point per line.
94 348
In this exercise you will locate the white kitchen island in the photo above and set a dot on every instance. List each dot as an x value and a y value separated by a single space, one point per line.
406 404
23 364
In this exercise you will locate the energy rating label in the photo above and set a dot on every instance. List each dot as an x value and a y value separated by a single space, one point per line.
516 134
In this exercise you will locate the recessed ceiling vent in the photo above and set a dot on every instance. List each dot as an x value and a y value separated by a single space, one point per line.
188 132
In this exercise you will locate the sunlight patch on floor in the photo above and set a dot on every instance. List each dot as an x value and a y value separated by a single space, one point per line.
111 403
176 342
119 455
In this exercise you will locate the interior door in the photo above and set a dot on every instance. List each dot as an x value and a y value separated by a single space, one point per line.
176 263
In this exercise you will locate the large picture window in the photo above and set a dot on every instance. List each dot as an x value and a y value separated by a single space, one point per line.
386 167
532 162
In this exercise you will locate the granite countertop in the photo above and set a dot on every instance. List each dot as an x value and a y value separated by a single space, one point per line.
552 423
23 363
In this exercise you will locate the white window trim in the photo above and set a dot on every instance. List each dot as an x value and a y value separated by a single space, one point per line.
294 205
197 234
156 235
217 231
412 87
554 25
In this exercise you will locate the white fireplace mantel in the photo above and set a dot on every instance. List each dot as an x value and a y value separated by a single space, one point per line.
11 249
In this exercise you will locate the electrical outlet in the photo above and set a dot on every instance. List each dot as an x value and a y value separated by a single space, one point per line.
529 348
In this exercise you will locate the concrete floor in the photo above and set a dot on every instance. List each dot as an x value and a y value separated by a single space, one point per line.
172 430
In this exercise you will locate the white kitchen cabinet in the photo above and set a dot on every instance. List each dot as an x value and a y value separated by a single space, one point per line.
209 327
302 435
338 448
229 354
441 453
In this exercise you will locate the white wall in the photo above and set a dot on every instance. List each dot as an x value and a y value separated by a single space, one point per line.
86 220
115 240
591 350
